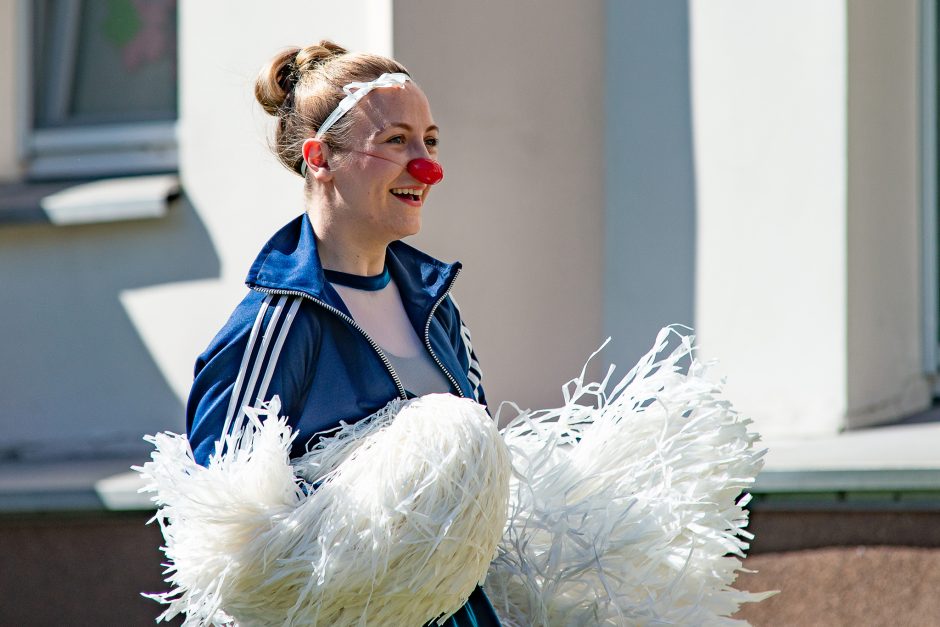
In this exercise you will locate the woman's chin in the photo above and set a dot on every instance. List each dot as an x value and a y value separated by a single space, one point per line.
409 227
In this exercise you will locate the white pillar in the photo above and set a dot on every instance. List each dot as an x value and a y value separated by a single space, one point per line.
239 190
769 119
238 186
805 129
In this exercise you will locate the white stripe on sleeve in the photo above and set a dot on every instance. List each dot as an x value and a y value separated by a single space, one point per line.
474 373
258 361
239 380
276 351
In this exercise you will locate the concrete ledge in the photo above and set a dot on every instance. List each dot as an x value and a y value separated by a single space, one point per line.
911 490
884 468
57 486
121 492
849 480
891 448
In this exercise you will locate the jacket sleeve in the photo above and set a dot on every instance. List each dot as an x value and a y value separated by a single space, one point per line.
460 336
265 349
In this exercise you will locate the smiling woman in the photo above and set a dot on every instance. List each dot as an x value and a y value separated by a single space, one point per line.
364 194
341 316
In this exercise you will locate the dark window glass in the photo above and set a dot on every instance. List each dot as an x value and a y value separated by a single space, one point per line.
103 62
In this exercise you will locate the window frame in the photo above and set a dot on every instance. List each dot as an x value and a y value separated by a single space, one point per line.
87 151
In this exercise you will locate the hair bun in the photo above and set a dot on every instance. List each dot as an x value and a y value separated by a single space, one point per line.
276 80
310 57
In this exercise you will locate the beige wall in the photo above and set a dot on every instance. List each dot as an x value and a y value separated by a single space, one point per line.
517 88
885 376
9 90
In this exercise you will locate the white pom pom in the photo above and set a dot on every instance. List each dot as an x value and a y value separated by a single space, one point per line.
624 505
409 507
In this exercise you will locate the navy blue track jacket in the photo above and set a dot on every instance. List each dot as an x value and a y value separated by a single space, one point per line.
293 337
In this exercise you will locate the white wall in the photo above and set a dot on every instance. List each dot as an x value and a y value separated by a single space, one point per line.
769 117
517 88
236 183
807 144
239 190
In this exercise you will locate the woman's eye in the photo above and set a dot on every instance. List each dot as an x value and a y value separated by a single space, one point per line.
397 139
431 142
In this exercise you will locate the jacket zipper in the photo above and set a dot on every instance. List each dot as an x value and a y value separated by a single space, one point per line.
427 334
373 343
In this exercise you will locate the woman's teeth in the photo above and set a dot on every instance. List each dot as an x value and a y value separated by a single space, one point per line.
401 191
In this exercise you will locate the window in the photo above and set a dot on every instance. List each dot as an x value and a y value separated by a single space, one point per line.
102 86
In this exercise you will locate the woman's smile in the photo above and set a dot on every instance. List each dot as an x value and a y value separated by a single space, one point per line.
412 196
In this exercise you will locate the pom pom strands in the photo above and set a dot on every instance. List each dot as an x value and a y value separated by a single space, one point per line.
624 505
409 507
624 510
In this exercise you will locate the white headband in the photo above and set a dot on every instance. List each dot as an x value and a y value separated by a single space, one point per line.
356 92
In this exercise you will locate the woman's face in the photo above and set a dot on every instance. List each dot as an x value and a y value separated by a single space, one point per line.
391 127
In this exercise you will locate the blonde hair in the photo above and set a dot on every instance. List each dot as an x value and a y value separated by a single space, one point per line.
302 86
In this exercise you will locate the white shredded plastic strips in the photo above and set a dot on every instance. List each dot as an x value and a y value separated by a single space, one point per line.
626 504
625 507
402 524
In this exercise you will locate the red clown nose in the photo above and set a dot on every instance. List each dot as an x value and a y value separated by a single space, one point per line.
426 171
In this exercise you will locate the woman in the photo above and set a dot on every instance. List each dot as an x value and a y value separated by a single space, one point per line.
341 316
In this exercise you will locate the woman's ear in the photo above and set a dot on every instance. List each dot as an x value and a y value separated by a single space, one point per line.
316 155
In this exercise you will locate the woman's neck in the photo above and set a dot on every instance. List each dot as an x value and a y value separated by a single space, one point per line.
345 249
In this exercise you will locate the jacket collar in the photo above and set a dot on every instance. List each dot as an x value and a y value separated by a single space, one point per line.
289 261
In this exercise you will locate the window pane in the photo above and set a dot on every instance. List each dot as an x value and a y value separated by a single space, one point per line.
102 62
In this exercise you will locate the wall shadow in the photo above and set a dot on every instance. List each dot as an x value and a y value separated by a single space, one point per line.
649 269
76 379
